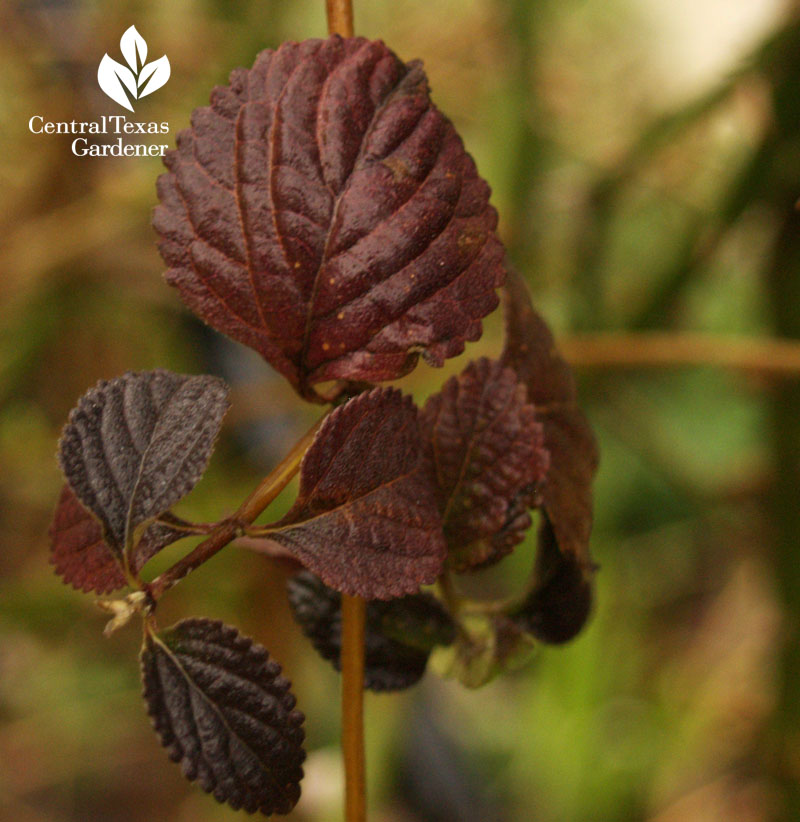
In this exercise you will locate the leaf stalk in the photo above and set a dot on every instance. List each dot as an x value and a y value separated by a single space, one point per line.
228 529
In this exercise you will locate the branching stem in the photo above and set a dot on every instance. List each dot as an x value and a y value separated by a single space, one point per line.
353 619
227 530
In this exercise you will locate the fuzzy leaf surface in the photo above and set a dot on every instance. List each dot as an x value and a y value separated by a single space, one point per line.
223 710
399 634
487 452
365 519
137 444
322 211
567 493
81 556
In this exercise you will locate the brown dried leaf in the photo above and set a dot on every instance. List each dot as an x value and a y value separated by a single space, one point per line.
322 211
486 449
365 519
567 493
81 556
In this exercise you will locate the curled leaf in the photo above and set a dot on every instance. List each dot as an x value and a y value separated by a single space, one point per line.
487 452
399 634
82 557
560 599
567 494
365 519
322 211
223 710
137 444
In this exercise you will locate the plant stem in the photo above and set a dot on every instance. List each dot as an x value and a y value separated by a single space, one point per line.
227 530
355 792
340 21
340 17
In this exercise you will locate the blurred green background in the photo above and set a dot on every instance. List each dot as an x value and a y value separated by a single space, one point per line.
645 161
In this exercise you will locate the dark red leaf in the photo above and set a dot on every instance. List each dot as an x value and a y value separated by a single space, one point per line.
81 556
365 519
325 213
136 444
567 493
486 449
223 710
399 634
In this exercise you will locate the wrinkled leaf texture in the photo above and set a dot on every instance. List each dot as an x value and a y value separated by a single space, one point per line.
322 211
137 444
487 452
399 634
223 710
81 556
365 519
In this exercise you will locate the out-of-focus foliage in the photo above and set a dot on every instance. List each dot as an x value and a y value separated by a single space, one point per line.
645 163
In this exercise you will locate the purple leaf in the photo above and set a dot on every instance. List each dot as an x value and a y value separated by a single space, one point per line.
137 444
223 710
81 556
323 212
567 494
365 519
399 634
487 452
561 595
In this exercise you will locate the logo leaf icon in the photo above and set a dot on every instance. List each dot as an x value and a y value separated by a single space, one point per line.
114 78
132 43
140 79
153 76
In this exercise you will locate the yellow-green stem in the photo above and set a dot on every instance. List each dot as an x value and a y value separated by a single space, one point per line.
355 791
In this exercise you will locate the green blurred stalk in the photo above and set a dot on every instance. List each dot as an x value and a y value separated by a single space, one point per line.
780 190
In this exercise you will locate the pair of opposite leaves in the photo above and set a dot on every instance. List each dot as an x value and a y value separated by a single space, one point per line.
322 211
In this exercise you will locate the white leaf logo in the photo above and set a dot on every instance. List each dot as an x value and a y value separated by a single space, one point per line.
123 84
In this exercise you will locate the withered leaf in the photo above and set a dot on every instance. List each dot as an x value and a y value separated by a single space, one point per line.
567 493
82 557
399 634
486 646
560 600
365 519
136 444
322 211
223 710
486 449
